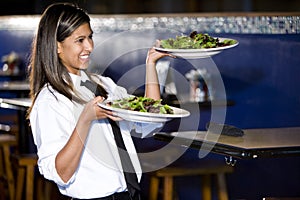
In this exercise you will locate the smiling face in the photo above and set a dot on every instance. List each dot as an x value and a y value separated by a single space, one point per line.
74 52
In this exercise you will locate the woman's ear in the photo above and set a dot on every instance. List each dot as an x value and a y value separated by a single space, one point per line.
59 47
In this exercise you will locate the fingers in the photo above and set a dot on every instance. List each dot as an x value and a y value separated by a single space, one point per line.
98 99
154 55
158 54
102 113
111 115
114 118
157 43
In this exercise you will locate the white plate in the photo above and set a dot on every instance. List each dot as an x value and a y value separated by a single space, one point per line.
136 116
197 53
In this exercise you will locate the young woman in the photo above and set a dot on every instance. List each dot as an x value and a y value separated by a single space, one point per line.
74 139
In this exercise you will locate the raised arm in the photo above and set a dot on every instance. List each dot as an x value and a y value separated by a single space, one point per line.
152 85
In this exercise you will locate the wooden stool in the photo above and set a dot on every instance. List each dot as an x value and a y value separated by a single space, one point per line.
38 188
206 171
7 141
25 166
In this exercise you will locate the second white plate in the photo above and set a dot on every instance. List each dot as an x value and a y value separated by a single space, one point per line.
137 116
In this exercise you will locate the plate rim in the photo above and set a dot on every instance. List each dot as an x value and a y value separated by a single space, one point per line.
147 114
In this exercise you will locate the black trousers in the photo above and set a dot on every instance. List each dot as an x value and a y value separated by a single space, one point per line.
115 196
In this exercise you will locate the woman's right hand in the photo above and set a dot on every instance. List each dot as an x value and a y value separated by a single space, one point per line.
92 111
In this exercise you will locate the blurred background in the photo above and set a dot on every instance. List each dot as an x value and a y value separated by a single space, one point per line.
12 7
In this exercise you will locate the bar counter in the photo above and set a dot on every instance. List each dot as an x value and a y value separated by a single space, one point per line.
255 143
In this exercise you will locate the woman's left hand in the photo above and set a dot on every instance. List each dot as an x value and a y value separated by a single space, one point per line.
154 55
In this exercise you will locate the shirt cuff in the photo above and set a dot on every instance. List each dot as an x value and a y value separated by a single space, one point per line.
50 173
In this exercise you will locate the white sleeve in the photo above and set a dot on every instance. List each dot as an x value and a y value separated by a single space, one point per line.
51 128
114 91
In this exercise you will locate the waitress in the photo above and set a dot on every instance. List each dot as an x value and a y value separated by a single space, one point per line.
74 138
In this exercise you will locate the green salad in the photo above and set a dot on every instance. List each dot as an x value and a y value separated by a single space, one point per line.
142 104
195 41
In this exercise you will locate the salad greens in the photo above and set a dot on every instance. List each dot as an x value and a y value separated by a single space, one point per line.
142 104
195 41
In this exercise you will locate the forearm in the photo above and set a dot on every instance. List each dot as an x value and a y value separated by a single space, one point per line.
152 85
68 158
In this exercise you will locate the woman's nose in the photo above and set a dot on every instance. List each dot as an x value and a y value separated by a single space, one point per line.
89 45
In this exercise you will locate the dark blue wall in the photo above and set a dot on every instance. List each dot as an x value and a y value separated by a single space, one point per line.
261 76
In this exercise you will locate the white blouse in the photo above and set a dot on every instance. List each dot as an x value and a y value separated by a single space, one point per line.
53 119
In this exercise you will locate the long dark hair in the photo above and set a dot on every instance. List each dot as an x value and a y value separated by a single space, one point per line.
57 23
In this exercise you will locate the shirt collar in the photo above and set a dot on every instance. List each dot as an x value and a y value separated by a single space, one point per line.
77 78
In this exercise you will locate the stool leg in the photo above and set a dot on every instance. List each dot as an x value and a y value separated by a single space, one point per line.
206 187
168 188
43 188
8 170
29 182
222 189
39 188
20 183
154 183
2 174
48 189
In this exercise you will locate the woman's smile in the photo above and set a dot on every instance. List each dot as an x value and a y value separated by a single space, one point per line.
85 58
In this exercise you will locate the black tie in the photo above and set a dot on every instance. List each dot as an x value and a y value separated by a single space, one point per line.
128 169
94 88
